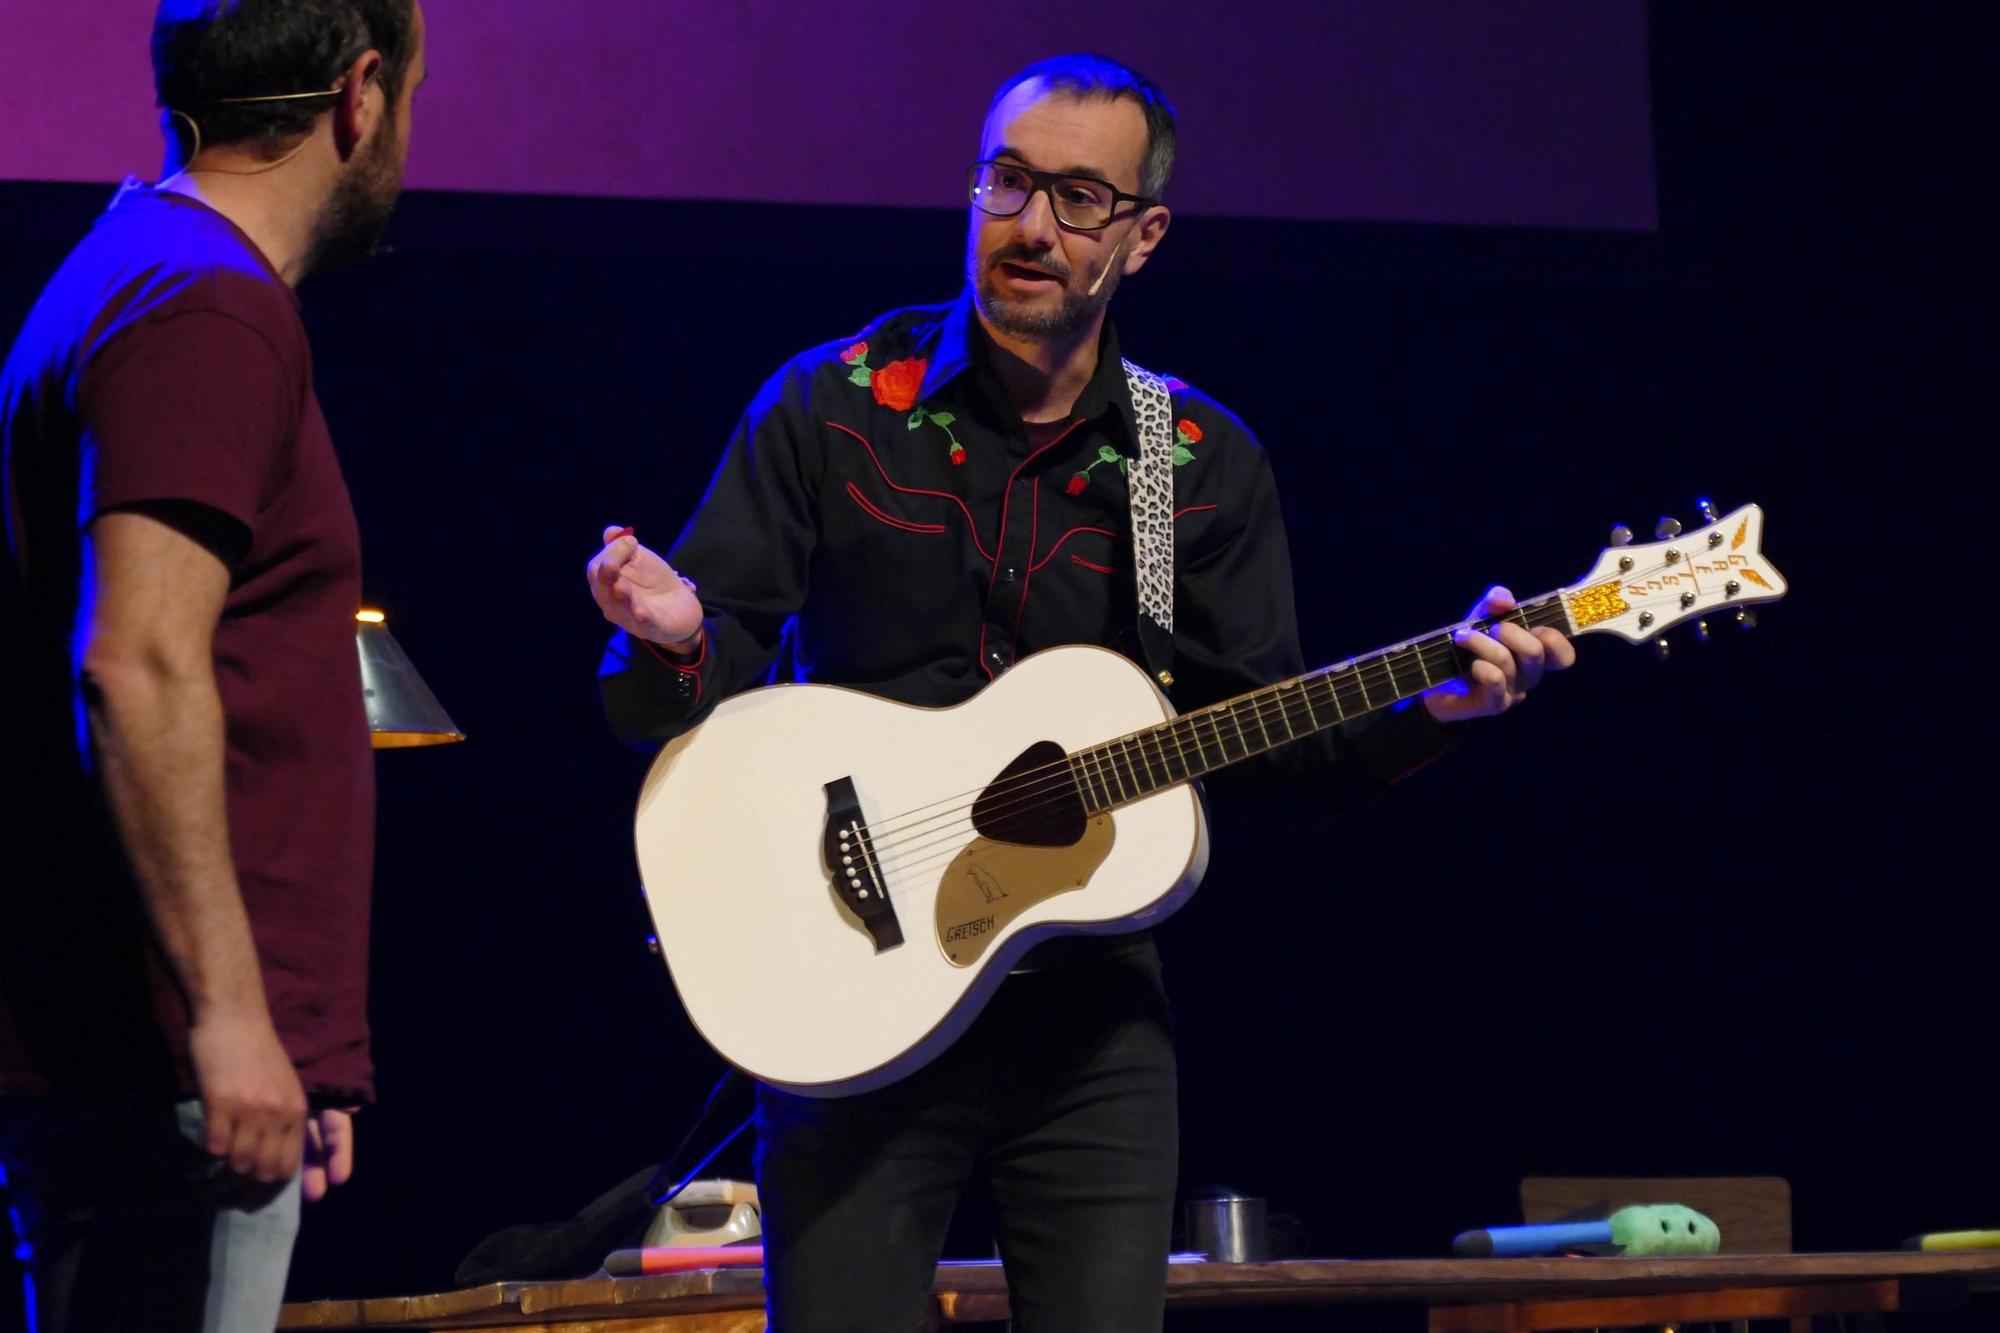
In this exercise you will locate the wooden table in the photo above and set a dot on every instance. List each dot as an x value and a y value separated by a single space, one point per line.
1462 1295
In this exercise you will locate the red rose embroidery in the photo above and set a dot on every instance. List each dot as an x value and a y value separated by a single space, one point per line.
855 354
896 384
1076 484
957 455
1189 431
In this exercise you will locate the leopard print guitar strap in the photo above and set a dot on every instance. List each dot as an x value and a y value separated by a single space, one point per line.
1150 480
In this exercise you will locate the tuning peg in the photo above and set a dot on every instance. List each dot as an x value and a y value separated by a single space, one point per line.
1747 618
1707 508
1662 649
1667 527
1621 535
1701 630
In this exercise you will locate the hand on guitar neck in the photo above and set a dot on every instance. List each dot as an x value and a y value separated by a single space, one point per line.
641 593
1507 661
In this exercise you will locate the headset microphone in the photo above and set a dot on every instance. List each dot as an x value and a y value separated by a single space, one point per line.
1107 267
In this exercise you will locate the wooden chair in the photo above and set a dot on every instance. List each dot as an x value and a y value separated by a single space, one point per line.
1754 1213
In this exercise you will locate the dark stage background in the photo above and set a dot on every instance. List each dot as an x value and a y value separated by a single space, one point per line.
1719 915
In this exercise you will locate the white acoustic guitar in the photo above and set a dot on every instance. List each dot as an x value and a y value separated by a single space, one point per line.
840 882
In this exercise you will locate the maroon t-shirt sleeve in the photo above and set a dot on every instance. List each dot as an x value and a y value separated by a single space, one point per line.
194 406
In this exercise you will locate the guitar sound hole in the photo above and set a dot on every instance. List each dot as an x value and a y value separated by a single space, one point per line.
1033 802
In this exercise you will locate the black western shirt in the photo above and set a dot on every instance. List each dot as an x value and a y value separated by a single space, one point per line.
883 519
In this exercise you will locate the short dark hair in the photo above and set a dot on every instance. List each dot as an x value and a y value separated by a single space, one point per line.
1087 75
205 51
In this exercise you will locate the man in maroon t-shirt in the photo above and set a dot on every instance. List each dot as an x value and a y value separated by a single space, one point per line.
183 926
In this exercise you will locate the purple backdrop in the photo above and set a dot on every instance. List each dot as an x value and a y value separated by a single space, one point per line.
1454 111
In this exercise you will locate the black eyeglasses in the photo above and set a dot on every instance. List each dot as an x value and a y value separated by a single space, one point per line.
1081 203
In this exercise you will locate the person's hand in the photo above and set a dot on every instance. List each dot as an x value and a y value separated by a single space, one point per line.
251 1098
1507 662
329 1152
641 594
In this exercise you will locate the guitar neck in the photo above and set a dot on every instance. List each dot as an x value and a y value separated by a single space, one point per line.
1194 744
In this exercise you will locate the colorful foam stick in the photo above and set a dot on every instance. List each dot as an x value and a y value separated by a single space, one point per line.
1954 1240
1642 1229
681 1259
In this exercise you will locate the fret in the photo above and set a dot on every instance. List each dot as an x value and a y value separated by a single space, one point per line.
1111 762
1354 693
1194 734
1243 737
1215 738
1284 712
1095 762
1325 678
1257 711
1389 674
1082 788
1138 742
1160 753
1172 730
1337 687
1404 673
1360 684
1305 698
1228 710
1423 666
1149 780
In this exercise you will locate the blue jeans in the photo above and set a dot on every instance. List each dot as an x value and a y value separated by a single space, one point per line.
126 1223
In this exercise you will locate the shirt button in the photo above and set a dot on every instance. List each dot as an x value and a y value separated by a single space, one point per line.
1009 575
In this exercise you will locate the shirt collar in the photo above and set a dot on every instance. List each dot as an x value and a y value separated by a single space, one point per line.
962 344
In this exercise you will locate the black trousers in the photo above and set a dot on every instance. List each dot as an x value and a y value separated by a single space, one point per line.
1062 1094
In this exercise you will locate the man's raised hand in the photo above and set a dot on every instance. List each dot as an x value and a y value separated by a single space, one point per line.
642 594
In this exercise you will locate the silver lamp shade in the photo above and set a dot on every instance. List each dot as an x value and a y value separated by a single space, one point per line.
402 710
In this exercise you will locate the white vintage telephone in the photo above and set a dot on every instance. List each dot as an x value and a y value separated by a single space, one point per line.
708 1212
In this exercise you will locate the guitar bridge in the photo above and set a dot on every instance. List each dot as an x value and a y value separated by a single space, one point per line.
849 852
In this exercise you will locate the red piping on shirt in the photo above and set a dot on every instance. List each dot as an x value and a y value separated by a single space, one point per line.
685 668
1034 535
1000 536
1065 537
914 490
894 522
1091 564
1102 532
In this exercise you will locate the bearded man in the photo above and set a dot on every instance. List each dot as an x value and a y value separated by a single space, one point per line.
183 1028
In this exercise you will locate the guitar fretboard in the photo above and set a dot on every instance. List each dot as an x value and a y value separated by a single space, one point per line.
1123 770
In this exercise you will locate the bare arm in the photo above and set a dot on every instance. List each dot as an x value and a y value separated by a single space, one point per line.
155 597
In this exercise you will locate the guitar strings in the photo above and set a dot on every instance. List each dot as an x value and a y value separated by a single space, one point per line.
1059 781
1114 779
1098 769
1095 769
1108 774
947 839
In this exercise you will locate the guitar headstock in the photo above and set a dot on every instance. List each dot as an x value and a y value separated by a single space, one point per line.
1640 591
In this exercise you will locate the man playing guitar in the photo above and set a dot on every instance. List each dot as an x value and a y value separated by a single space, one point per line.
909 512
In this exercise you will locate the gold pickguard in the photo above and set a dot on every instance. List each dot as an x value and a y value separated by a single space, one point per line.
990 883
